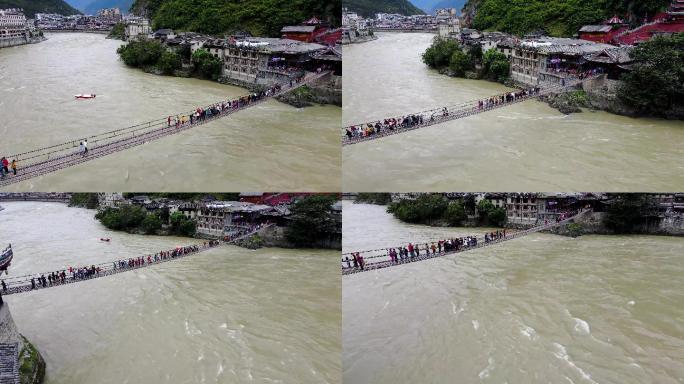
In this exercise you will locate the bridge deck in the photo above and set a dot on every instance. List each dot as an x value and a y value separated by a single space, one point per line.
386 262
23 283
434 116
46 160
9 364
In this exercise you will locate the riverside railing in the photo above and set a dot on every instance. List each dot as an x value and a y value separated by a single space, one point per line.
386 261
51 158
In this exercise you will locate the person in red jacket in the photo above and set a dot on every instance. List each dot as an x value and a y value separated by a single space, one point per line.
5 164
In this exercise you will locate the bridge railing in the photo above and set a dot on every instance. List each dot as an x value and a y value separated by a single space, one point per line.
450 112
381 259
58 155
23 283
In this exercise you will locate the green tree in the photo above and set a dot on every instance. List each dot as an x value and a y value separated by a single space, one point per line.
118 32
84 200
495 66
374 198
141 53
497 217
181 225
460 63
207 65
427 209
654 85
627 211
311 220
455 213
169 62
125 218
438 55
151 223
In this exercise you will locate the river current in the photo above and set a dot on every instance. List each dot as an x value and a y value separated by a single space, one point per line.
524 147
228 315
539 309
272 146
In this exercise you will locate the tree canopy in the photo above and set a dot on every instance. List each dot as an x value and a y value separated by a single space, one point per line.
216 17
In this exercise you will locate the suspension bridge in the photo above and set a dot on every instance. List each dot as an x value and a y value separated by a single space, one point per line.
380 257
53 158
24 283
353 134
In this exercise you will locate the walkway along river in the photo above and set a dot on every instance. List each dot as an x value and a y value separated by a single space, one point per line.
225 315
243 152
527 146
542 308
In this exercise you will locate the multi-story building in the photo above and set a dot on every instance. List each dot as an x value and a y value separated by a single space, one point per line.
521 208
550 59
13 24
450 28
253 59
136 26
111 200
219 218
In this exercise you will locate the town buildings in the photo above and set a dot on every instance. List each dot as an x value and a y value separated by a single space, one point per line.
13 24
136 26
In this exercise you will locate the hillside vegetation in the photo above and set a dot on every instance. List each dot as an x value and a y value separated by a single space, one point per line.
31 7
368 8
557 18
216 17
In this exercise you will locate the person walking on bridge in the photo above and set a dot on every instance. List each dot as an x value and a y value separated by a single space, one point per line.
4 163
85 147
14 167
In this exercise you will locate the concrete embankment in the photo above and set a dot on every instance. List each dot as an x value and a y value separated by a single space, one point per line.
30 364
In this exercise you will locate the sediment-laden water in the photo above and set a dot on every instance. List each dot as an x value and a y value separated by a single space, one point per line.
539 309
228 315
528 146
271 146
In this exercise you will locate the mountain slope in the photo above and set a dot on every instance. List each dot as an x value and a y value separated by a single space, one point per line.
368 8
216 17
31 7
557 18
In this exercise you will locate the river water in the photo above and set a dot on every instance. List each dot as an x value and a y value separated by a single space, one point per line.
527 146
539 309
228 315
272 146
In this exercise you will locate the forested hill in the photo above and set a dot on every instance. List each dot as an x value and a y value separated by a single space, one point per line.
557 17
368 8
31 7
216 17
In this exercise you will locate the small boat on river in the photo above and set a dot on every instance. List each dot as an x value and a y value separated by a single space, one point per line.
85 96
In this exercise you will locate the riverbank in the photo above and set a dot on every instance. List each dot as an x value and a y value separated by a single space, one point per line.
595 223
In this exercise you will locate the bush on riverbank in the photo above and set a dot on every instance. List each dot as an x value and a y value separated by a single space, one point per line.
118 32
149 54
628 212
450 57
374 198
206 64
653 86
435 209
135 219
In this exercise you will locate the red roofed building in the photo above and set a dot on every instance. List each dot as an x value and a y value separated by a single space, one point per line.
307 32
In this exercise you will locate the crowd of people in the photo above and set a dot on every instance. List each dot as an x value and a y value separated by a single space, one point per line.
5 166
379 127
412 252
202 114
73 274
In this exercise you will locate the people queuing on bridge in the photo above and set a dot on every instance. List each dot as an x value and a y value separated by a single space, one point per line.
413 252
5 165
360 131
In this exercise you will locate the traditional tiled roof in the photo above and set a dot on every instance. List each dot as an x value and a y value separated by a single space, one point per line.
596 28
